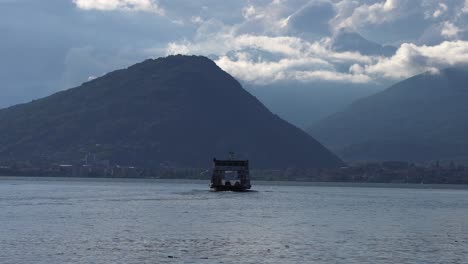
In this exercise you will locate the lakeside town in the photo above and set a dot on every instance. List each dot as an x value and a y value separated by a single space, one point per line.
372 172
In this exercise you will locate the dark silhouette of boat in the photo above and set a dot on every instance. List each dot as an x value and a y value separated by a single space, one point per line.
230 175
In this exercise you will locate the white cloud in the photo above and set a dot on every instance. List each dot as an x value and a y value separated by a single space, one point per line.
265 59
299 69
126 5
177 48
411 59
250 12
253 53
390 5
262 48
226 41
440 10
449 30
267 18
354 16
256 40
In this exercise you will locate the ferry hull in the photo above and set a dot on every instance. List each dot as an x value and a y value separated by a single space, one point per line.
223 188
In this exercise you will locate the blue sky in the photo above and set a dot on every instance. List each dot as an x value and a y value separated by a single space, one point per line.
53 45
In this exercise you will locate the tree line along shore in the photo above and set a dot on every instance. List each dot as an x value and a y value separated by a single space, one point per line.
369 172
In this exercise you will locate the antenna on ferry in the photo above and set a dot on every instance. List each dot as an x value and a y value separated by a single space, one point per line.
231 155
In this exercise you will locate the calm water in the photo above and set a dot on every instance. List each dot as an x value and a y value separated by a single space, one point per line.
147 221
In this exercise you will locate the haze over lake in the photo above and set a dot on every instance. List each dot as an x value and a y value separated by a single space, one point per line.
60 220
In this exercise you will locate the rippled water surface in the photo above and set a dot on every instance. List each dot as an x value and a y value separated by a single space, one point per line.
148 221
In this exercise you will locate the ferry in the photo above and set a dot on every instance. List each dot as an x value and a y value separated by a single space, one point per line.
230 175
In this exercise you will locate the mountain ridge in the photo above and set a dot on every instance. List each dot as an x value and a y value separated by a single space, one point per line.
179 110
421 118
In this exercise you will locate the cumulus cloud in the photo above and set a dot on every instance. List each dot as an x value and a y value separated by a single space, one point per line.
411 59
298 69
449 30
351 15
266 59
267 42
126 5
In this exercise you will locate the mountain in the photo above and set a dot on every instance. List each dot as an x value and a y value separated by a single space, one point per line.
422 118
352 41
304 104
178 110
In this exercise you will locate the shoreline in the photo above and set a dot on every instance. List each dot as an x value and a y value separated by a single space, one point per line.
254 182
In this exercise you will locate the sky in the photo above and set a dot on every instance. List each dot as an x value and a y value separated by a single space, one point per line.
51 45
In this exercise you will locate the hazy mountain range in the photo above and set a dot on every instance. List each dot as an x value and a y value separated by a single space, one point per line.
304 104
419 119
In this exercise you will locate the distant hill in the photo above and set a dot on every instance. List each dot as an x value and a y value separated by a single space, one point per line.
422 118
304 104
177 111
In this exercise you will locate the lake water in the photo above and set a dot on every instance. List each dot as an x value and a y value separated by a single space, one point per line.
149 221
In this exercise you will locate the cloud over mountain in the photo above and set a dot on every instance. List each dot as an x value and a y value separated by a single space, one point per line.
258 41
411 59
278 48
